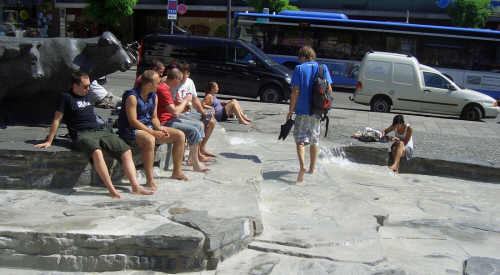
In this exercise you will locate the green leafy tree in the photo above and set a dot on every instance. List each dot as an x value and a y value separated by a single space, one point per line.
273 5
470 13
109 12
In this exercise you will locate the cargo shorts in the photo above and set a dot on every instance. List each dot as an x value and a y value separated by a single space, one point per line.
307 129
90 140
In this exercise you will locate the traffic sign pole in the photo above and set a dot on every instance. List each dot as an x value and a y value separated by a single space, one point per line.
172 13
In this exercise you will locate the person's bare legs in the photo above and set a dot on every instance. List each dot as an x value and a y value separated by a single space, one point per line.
233 107
302 161
313 154
129 170
146 142
102 171
396 155
193 155
209 128
176 137
243 116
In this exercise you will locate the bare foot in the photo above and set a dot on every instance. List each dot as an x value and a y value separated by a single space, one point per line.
201 168
114 195
189 163
207 153
311 171
393 168
300 176
179 176
205 159
152 186
141 191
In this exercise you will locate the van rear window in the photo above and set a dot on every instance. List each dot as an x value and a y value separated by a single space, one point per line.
377 70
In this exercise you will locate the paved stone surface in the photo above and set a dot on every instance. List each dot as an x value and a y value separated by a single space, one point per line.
347 218
360 219
185 226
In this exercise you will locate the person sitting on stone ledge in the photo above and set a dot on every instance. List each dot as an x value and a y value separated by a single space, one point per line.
169 116
186 88
223 110
101 97
89 137
138 124
403 141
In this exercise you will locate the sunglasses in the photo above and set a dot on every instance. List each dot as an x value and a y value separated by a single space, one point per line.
85 87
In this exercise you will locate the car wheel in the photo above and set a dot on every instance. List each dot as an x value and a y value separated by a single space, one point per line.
271 94
380 104
472 113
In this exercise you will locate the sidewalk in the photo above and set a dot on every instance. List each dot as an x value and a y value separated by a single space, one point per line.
188 226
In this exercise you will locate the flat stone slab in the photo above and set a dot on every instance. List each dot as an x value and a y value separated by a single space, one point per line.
184 226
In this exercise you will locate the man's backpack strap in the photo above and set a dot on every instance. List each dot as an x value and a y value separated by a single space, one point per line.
321 70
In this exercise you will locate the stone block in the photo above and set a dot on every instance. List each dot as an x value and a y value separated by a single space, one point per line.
7 242
224 237
481 266
70 263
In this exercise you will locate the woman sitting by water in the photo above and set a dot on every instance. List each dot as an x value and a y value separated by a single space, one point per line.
223 110
403 145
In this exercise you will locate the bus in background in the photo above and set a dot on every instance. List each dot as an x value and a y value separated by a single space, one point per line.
470 57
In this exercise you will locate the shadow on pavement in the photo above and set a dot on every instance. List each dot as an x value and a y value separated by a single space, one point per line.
253 158
279 175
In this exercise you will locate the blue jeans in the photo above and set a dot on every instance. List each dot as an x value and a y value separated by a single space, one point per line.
192 129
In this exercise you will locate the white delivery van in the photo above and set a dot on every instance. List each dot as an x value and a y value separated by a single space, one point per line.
397 81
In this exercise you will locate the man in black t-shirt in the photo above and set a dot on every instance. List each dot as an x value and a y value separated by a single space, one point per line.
89 137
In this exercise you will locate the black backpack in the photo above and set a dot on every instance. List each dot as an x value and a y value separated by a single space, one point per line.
321 101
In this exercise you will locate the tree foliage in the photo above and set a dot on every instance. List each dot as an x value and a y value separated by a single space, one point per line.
273 5
109 12
470 13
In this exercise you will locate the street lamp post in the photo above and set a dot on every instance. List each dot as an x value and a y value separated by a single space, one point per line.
228 19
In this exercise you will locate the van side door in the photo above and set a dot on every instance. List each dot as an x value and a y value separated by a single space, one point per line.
244 69
404 87
439 95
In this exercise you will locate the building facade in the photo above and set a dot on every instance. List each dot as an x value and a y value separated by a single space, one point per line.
33 18
206 17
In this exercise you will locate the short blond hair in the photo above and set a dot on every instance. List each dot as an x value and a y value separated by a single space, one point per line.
148 76
307 53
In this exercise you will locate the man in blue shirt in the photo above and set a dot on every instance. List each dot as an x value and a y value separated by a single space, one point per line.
307 126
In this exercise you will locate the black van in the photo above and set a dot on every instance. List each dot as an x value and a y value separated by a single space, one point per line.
239 67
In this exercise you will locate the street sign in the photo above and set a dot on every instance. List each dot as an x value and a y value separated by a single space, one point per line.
182 9
172 10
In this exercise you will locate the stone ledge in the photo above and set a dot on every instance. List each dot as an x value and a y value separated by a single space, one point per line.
43 169
224 237
98 253
61 168
425 166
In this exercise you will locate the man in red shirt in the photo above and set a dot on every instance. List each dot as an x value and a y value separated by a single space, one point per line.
168 113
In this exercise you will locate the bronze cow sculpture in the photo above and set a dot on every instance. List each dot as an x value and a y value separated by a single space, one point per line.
33 72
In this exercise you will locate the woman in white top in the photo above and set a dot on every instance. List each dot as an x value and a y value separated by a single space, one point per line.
403 141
